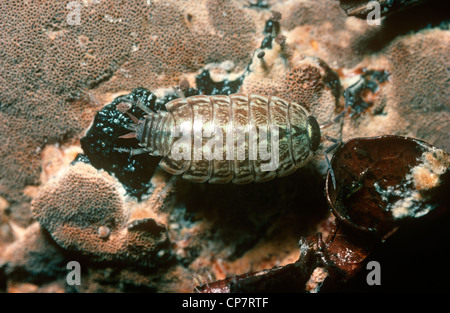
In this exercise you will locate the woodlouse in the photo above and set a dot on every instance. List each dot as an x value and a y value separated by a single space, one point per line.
246 117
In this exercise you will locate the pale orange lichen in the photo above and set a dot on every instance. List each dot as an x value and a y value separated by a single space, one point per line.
31 255
316 280
54 75
303 81
420 84
425 179
437 160
412 102
84 211
426 174
3 205
322 29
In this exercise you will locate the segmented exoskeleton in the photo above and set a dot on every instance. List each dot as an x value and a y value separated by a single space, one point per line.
188 137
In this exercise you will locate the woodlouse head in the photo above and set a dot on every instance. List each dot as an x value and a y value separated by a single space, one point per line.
313 132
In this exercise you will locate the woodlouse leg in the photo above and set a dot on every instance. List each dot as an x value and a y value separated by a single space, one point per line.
339 117
322 252
133 118
132 151
130 126
128 136
347 97
331 171
321 248
336 144
123 107
334 140
333 121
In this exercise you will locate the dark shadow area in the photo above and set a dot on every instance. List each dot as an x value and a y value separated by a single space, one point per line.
428 15
242 215
413 260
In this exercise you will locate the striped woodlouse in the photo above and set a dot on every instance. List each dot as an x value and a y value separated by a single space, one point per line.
285 128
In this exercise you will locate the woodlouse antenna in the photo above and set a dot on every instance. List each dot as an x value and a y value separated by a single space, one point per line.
328 150
346 106
125 105
334 120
